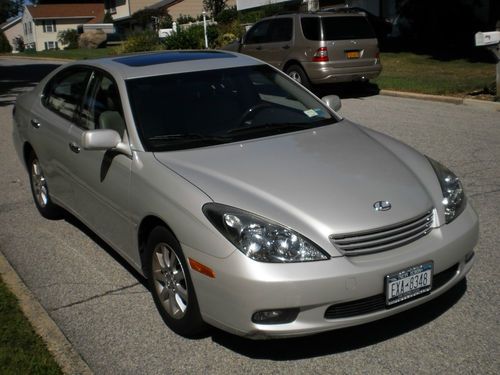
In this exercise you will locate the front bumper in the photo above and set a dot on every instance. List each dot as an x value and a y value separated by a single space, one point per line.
243 286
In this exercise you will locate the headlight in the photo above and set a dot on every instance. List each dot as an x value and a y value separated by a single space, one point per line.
454 200
261 239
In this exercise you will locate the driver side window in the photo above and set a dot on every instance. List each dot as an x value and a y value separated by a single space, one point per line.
102 109
260 33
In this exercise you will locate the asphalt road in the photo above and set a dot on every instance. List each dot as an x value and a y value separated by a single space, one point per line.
104 309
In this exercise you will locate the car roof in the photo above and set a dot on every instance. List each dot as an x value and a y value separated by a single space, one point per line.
169 62
320 13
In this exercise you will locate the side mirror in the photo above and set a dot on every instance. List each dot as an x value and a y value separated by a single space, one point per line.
332 101
104 139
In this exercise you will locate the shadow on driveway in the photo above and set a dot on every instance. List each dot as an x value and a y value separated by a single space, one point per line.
16 79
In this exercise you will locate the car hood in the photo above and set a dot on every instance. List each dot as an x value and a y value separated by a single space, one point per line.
319 182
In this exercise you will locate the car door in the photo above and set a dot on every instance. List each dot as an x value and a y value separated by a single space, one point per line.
270 40
51 121
101 179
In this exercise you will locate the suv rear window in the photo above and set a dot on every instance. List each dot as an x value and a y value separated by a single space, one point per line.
336 28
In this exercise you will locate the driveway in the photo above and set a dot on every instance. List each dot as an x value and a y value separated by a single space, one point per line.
104 309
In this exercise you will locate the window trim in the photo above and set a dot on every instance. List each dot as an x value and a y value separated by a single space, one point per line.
49 85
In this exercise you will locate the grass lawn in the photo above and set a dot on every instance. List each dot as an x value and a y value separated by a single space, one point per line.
22 351
423 74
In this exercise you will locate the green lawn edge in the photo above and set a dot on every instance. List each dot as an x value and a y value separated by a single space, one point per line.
22 351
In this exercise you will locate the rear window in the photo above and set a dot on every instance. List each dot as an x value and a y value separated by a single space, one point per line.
336 28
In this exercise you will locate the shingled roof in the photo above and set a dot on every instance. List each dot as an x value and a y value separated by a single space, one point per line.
95 12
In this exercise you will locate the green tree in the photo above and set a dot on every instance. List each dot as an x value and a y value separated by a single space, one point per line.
107 18
214 7
10 8
69 37
4 44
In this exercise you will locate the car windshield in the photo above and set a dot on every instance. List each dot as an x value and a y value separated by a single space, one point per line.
196 109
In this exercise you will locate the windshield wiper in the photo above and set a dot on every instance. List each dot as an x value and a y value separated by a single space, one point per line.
174 141
264 128
185 137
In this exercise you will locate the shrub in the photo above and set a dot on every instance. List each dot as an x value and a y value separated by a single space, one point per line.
92 39
4 44
18 42
183 19
141 41
108 18
227 16
191 38
69 37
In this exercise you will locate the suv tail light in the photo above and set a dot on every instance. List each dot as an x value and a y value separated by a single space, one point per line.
321 54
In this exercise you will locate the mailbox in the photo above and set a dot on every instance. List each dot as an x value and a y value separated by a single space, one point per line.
489 38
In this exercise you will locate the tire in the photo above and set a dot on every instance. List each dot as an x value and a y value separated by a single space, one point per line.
171 285
40 190
297 73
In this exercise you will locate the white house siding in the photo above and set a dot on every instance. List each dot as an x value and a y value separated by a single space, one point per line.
191 8
12 32
29 29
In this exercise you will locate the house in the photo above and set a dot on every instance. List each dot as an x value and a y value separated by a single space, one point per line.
41 23
12 29
122 10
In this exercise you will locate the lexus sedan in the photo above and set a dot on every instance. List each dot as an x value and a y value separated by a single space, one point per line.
248 203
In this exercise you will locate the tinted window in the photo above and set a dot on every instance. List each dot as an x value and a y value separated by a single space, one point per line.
196 109
311 28
259 33
65 91
340 28
282 29
336 28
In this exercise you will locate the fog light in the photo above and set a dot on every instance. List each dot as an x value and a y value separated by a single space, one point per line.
279 316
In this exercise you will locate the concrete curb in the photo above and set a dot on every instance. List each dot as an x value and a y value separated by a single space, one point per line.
59 346
483 104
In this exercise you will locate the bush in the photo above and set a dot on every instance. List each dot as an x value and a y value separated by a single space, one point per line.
4 44
227 16
192 38
146 40
18 42
69 37
183 19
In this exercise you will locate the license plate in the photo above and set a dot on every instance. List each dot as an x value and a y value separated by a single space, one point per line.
408 283
352 54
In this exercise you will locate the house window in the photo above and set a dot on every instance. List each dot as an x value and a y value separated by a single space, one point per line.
25 29
30 28
51 45
49 26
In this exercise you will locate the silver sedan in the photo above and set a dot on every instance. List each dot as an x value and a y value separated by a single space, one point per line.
248 203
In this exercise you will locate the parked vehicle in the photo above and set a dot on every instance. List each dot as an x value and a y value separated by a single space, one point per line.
247 202
315 48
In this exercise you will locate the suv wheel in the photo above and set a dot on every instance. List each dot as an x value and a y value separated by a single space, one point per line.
298 74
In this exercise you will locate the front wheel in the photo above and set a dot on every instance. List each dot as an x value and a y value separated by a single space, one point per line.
170 284
297 73
40 190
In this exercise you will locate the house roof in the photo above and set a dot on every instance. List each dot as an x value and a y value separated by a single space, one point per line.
9 23
95 12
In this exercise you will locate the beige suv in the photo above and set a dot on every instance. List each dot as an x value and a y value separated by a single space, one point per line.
316 48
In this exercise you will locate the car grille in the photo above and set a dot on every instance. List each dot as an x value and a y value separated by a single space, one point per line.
385 238
377 303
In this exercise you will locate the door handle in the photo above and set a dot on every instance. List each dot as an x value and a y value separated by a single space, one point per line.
285 46
258 48
74 147
35 123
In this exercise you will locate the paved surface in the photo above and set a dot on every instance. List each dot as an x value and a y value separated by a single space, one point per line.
104 309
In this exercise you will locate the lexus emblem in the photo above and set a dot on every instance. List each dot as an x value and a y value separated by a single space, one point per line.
382 206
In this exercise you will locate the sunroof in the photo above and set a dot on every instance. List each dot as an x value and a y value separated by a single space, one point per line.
170 57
